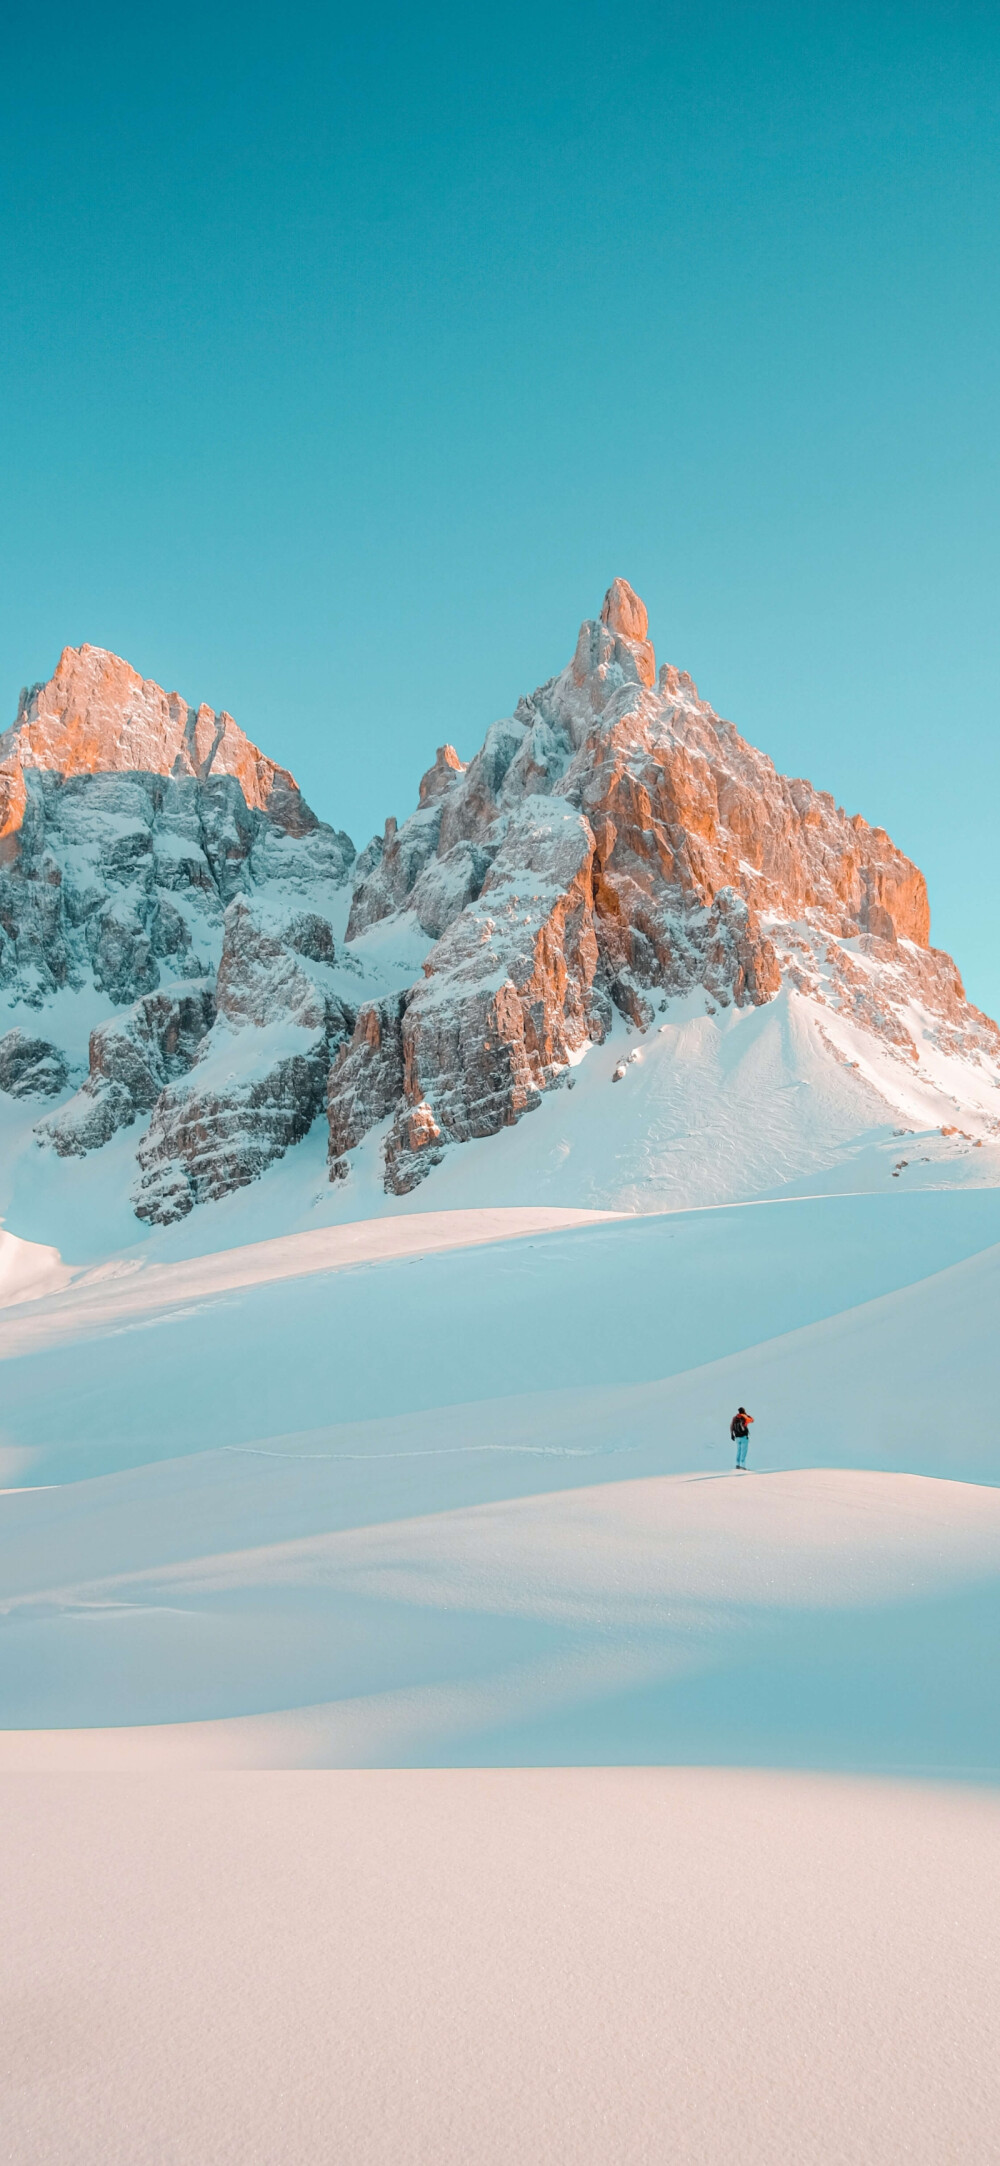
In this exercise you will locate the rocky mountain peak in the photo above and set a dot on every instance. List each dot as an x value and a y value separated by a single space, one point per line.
96 715
155 863
614 649
623 612
438 780
616 845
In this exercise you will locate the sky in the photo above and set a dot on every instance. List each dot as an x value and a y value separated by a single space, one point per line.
349 354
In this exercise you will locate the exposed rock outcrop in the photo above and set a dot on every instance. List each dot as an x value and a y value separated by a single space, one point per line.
392 865
614 846
97 715
366 1080
147 849
506 998
259 1077
132 1059
31 1067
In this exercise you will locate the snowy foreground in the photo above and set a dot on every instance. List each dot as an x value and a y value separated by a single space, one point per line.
419 1745
435 1969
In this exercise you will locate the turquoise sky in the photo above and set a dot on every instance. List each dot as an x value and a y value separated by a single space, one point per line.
348 354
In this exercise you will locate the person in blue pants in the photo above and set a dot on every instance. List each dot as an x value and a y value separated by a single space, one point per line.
739 1430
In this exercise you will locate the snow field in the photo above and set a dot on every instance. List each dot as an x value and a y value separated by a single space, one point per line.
822 1618
615 1966
442 1570
264 1343
373 1564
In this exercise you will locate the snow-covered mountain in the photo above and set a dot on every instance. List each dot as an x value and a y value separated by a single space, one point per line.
166 885
616 891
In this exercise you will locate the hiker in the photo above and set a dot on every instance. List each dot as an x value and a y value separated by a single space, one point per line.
739 1430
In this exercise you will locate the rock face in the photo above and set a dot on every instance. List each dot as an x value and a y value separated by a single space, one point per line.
508 994
259 1078
132 1058
97 715
31 1067
614 843
366 1080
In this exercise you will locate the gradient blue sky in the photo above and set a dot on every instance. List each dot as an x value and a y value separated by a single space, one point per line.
349 354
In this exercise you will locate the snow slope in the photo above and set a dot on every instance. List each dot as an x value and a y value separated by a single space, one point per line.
369 1493
821 1618
743 1104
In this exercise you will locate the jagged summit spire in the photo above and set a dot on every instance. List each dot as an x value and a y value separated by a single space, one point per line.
621 632
623 612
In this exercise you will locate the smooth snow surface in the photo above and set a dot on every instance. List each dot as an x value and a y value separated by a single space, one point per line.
581 1967
28 1270
109 1294
820 1618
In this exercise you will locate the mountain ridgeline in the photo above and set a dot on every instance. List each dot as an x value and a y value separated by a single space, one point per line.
613 853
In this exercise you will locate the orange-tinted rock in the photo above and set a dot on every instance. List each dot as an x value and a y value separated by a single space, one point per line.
96 715
623 612
439 778
625 615
508 993
366 1080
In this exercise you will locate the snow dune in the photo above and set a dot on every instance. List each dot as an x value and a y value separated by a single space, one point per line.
817 1618
29 1270
568 1570
107 1295
237 1351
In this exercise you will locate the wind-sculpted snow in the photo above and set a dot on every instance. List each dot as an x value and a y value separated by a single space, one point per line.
450 1501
